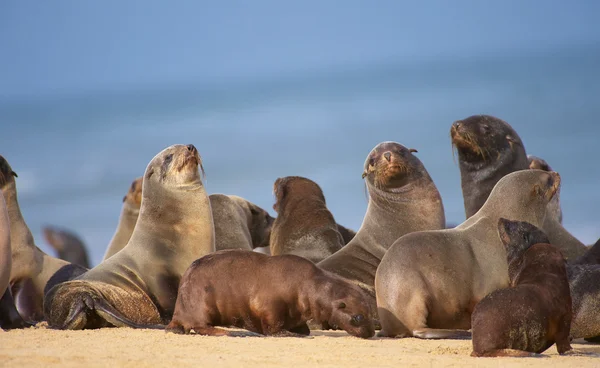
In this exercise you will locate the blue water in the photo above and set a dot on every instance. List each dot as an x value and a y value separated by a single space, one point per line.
77 155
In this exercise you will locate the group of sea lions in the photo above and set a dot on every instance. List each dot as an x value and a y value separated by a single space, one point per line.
182 260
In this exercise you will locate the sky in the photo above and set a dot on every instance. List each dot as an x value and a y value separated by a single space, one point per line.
65 47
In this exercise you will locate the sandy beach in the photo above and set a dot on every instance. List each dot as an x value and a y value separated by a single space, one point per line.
125 347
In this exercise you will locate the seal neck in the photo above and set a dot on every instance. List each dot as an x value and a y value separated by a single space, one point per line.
20 235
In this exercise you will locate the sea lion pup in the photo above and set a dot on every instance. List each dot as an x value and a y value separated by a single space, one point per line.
129 215
32 269
535 311
402 199
428 282
269 295
304 226
488 149
239 224
554 209
138 285
68 245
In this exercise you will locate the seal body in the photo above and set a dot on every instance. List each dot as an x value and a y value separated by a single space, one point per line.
5 250
488 149
31 267
402 199
239 224
138 285
68 245
428 282
304 226
585 292
265 297
535 311
130 211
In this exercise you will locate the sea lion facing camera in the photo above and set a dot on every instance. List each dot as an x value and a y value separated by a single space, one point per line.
239 224
402 199
68 245
32 269
488 149
304 226
535 311
269 295
428 282
138 285
130 211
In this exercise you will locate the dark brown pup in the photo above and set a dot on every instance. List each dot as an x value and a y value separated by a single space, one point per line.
304 226
269 295
535 311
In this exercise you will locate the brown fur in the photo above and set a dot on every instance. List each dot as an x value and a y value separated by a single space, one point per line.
554 209
535 311
304 226
428 282
267 295
67 244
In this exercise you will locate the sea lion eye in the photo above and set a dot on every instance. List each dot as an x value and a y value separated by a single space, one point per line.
526 237
168 159
342 305
372 162
357 320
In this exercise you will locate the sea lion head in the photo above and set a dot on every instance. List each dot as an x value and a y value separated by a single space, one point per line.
57 238
7 175
259 222
300 186
517 237
134 196
351 311
483 139
390 166
175 167
525 193
538 163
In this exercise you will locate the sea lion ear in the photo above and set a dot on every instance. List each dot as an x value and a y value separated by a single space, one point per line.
14 174
412 150
364 174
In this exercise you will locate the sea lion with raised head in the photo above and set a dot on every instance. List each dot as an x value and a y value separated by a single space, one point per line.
402 199
304 226
130 211
239 224
488 149
428 282
32 269
535 311
268 295
68 245
138 285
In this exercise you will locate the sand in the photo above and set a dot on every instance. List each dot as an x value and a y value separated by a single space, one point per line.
125 347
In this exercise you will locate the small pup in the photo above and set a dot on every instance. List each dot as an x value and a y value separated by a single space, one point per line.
268 295
535 311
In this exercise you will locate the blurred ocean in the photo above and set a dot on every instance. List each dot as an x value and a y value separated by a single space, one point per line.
77 155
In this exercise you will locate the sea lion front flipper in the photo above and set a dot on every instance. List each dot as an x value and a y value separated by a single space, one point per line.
215 331
593 340
114 317
286 333
438 333
9 316
508 353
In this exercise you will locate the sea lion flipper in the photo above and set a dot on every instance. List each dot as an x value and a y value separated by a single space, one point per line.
508 353
9 316
438 333
114 317
215 331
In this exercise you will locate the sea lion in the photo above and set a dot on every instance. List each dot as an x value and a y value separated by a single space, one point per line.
129 215
591 257
304 226
554 209
428 282
239 224
488 149
402 199
346 233
68 245
535 311
139 283
269 295
31 267
5 250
